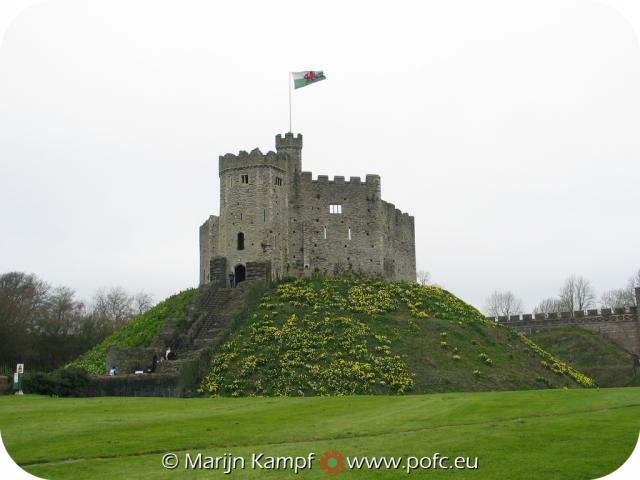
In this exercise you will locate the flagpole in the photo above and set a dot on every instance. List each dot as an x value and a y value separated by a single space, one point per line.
289 80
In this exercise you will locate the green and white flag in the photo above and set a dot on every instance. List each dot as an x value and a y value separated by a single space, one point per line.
302 79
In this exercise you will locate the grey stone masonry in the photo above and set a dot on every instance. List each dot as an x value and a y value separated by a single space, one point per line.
273 213
622 325
218 275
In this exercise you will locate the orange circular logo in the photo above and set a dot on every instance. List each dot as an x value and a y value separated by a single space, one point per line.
332 462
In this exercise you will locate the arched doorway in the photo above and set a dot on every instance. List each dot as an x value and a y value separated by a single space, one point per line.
240 273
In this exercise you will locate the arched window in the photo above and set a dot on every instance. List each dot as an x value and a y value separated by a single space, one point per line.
240 241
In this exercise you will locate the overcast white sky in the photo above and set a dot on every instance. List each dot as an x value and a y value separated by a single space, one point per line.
509 129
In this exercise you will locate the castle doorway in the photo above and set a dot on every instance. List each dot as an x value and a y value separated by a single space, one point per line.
240 273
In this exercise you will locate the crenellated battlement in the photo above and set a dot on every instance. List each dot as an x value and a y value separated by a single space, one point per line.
603 314
622 325
396 214
370 180
289 140
254 158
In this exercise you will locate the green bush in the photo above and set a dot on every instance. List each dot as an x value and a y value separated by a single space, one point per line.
64 382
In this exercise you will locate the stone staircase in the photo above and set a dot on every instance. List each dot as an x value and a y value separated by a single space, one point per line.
209 315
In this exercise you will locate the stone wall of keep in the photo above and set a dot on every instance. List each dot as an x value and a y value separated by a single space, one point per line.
208 247
259 271
399 244
620 325
259 209
330 242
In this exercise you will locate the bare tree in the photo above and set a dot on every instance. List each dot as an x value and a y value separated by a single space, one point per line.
142 302
634 282
64 312
503 304
585 294
617 298
114 305
423 277
548 305
577 294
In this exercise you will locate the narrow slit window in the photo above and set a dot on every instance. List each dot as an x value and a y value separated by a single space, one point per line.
349 232
240 241
336 209
264 215
324 232
244 178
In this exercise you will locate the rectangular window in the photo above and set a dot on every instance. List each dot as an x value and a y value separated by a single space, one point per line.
349 233
244 178
324 232
278 181
337 209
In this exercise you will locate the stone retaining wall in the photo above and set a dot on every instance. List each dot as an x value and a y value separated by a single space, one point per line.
145 385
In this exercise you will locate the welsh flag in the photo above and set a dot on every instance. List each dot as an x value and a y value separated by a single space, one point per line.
302 79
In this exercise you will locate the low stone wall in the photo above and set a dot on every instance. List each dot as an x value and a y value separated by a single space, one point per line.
145 385
128 360
620 325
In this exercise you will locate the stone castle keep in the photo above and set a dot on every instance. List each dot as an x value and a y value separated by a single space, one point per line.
275 220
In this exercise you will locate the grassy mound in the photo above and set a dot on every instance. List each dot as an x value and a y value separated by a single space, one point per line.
354 336
139 332
593 354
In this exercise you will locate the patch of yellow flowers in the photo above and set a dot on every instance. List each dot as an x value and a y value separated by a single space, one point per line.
306 355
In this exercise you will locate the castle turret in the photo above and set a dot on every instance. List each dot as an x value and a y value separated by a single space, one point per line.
254 210
292 145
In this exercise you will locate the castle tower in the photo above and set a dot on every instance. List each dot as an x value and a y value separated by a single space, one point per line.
254 210
291 145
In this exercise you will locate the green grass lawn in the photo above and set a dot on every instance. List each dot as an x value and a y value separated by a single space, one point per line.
538 434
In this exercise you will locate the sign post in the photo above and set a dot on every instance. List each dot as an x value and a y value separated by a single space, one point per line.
17 378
